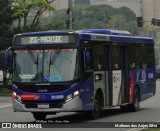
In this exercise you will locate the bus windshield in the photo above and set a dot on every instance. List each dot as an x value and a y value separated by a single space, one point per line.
53 65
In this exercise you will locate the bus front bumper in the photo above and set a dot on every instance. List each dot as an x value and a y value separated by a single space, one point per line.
73 105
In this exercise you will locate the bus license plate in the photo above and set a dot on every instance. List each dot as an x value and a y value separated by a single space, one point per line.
43 106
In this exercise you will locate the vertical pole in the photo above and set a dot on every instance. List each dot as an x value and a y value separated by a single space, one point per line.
70 15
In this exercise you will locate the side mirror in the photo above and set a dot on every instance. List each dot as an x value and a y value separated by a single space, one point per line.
88 57
87 60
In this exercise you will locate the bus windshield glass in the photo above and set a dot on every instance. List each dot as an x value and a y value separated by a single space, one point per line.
53 65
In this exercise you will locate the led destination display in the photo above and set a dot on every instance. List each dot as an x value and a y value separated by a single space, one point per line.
47 39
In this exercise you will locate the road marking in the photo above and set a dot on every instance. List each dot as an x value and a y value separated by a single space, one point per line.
5 105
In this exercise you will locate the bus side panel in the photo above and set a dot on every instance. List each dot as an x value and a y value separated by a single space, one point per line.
152 80
145 79
87 94
147 83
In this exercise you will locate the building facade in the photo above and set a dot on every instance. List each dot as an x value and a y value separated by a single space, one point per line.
151 9
60 4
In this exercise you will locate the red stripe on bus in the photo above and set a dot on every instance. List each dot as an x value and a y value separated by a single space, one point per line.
131 88
52 50
34 51
21 51
26 97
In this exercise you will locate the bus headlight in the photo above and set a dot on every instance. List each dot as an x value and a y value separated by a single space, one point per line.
76 93
14 94
17 97
71 96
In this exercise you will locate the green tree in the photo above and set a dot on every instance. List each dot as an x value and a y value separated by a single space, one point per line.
97 16
5 24
117 21
23 8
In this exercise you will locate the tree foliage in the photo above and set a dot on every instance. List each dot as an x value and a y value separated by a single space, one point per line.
105 16
97 16
5 24
24 8
25 13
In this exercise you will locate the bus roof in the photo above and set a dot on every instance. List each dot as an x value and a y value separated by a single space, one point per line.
105 31
113 36
94 31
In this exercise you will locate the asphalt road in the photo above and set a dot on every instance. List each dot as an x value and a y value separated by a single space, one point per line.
149 112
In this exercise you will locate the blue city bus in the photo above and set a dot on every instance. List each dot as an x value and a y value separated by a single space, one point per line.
80 71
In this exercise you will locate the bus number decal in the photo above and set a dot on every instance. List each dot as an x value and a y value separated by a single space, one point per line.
150 75
57 97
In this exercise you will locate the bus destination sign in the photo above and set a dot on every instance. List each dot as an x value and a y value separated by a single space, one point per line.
49 39
46 39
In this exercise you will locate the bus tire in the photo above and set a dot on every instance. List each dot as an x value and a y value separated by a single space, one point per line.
97 111
39 115
136 101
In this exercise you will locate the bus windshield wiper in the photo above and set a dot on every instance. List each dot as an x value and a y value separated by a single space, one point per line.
53 58
34 59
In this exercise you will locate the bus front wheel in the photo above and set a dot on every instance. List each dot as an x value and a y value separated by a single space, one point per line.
39 116
97 111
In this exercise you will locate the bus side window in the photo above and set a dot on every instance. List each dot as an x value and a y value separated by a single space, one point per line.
142 56
150 56
98 56
116 63
133 57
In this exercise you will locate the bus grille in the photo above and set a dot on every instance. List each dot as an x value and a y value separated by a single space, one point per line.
55 104
41 89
